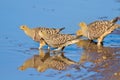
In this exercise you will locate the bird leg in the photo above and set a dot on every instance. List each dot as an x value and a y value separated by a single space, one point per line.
100 39
58 50
48 47
41 53
42 43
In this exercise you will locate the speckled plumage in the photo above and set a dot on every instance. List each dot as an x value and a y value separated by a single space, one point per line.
98 29
55 63
58 40
48 30
58 62
33 33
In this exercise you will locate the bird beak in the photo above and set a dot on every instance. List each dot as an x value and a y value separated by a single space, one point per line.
21 28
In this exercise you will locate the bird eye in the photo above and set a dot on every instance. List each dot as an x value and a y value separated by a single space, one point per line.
23 26
41 31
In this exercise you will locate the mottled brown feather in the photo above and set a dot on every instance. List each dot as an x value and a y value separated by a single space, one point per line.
97 28
58 40
34 33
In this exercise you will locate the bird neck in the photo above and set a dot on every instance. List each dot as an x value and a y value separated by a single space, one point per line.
44 67
30 32
85 31
28 64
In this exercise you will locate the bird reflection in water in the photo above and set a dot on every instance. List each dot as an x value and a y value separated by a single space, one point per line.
35 61
103 60
44 61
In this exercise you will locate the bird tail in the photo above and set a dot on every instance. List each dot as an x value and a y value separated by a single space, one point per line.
117 25
61 28
75 40
71 42
115 19
78 36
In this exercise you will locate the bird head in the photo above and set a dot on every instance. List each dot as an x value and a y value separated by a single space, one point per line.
84 29
27 64
23 27
42 68
22 68
83 25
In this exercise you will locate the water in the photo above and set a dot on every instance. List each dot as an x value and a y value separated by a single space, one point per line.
16 47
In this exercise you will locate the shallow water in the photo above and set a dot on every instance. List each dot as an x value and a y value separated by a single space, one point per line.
84 60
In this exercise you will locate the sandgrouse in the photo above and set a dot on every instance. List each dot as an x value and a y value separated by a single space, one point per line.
33 33
98 29
59 41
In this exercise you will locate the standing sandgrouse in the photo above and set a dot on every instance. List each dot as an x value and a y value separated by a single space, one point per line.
59 41
98 29
33 33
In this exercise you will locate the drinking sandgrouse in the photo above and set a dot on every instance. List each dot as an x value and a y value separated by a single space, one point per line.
59 41
33 33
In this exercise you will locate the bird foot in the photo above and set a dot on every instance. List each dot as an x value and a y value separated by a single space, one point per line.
40 48
99 44
56 51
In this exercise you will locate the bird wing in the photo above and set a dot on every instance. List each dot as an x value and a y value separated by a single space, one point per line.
96 29
62 39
